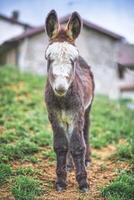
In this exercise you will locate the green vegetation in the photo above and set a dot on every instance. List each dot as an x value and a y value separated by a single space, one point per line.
5 173
124 152
49 154
122 188
26 171
26 135
18 150
111 121
42 139
26 188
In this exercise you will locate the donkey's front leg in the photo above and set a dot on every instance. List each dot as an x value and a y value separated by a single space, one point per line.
61 148
77 146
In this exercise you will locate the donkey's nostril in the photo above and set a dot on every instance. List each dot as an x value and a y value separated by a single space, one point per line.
60 90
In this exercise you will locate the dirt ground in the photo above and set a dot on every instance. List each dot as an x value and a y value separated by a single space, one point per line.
100 172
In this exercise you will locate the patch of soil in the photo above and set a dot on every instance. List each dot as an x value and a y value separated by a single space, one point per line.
101 172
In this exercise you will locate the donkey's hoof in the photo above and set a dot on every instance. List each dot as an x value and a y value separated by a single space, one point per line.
84 189
84 186
60 188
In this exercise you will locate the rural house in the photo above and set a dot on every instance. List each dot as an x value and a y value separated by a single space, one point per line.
100 48
11 27
126 70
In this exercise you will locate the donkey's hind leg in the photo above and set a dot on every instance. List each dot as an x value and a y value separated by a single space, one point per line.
86 136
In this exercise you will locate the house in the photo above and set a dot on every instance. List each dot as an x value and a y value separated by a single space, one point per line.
126 70
99 46
11 26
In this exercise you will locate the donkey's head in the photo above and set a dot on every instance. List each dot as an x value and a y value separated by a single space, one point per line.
61 52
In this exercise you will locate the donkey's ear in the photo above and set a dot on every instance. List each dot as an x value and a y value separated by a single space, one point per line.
52 24
74 25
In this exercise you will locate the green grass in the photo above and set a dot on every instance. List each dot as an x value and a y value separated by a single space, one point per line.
122 188
23 116
8 136
26 188
42 138
49 154
111 121
5 173
124 153
25 131
18 150
26 171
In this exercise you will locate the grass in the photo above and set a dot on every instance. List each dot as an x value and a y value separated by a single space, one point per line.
124 153
111 121
42 138
26 135
26 188
122 188
8 136
26 171
18 150
5 173
49 154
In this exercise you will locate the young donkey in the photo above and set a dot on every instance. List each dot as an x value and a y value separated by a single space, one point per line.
68 95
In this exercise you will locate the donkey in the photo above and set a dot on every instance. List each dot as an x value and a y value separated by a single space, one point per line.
69 94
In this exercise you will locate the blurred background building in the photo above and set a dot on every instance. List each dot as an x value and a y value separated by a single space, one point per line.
111 58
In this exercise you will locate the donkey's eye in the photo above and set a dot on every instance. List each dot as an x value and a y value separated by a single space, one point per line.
67 77
72 62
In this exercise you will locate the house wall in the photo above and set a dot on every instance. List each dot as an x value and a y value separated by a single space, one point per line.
32 54
9 30
128 79
100 51
11 57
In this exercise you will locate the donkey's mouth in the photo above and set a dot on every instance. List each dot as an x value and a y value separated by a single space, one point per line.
60 92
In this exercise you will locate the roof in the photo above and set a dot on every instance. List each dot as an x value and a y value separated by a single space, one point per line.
89 25
13 21
127 87
94 26
126 55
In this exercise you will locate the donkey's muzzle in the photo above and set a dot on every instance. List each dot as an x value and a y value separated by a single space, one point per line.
60 91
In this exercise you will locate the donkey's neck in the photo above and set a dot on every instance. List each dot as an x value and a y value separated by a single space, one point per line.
70 101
